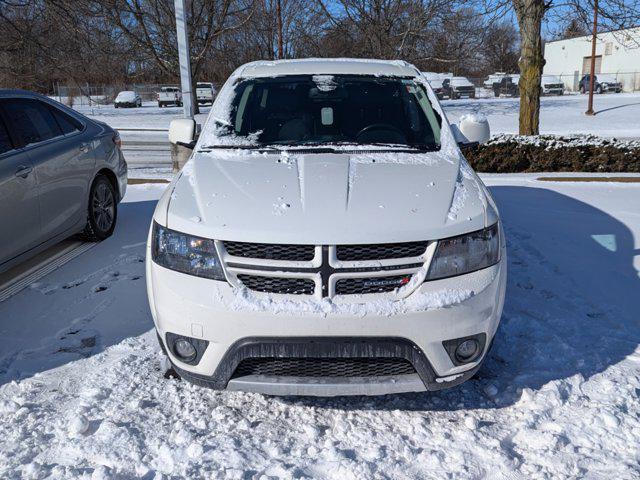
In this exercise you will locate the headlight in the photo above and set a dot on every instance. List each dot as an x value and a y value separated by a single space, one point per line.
466 253
185 253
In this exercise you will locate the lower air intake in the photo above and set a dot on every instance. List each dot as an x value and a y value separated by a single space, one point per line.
324 367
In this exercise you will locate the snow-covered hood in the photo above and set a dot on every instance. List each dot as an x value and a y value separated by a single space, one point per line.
607 79
550 79
126 96
461 82
325 198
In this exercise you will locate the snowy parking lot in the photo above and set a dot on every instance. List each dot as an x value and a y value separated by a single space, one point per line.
616 116
82 393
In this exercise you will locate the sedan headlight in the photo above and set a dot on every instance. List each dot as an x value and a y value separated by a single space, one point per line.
466 253
185 253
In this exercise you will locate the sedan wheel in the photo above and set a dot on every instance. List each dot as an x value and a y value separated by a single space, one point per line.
102 211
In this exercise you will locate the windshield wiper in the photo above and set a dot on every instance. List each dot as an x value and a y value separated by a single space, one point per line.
238 147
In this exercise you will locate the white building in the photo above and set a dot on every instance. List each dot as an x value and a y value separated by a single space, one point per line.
617 54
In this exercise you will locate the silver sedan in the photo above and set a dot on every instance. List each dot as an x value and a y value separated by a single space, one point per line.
61 174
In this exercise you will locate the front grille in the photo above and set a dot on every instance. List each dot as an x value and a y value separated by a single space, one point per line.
361 286
269 251
324 367
380 251
291 286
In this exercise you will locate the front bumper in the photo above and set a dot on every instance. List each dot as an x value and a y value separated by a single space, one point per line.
612 88
216 313
122 174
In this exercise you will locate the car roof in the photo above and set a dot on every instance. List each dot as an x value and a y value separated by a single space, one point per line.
10 92
327 66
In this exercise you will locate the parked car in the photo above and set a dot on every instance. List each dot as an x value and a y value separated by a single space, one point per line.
127 98
205 93
458 87
506 86
169 96
608 83
61 173
551 85
326 236
601 84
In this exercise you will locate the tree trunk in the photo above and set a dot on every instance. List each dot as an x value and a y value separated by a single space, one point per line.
530 14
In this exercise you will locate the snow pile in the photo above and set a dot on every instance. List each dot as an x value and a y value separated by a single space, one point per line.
564 141
247 301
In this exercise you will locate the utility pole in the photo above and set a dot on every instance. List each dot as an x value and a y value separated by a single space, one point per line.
279 20
183 56
592 69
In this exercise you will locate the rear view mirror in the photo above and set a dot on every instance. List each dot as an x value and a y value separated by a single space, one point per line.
473 129
182 131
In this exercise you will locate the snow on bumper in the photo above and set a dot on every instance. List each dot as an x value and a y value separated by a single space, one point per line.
223 316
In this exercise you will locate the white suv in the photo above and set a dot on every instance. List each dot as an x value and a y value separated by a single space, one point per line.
326 237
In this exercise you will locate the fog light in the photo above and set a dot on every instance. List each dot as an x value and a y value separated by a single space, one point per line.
467 350
184 349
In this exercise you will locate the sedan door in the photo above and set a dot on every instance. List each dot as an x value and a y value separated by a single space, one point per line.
19 206
61 150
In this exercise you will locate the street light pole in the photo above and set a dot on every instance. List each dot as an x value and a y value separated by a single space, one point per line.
183 56
592 69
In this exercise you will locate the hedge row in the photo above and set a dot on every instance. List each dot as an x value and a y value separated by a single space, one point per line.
512 154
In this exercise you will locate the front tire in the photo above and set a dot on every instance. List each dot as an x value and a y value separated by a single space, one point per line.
102 210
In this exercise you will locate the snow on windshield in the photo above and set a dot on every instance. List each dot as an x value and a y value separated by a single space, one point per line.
282 111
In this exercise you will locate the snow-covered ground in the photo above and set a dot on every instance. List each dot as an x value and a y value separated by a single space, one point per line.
616 114
82 393
148 122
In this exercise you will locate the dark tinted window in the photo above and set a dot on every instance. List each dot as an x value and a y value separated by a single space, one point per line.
31 120
333 109
5 140
67 123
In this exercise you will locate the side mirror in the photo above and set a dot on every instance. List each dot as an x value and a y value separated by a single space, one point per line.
472 130
182 131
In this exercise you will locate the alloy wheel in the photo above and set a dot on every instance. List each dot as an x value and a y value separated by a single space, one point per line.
103 207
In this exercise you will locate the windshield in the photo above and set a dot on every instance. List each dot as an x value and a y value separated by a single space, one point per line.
329 109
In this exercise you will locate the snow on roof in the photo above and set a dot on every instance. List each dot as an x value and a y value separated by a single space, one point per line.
328 66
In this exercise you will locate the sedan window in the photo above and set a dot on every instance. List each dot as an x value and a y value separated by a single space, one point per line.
31 119
67 123
5 140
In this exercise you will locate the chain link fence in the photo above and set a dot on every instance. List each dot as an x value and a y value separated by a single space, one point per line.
484 87
91 95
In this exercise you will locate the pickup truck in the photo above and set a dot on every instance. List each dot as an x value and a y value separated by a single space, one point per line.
506 86
458 87
204 93
169 96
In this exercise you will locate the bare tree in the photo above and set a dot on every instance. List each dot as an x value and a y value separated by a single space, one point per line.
150 26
